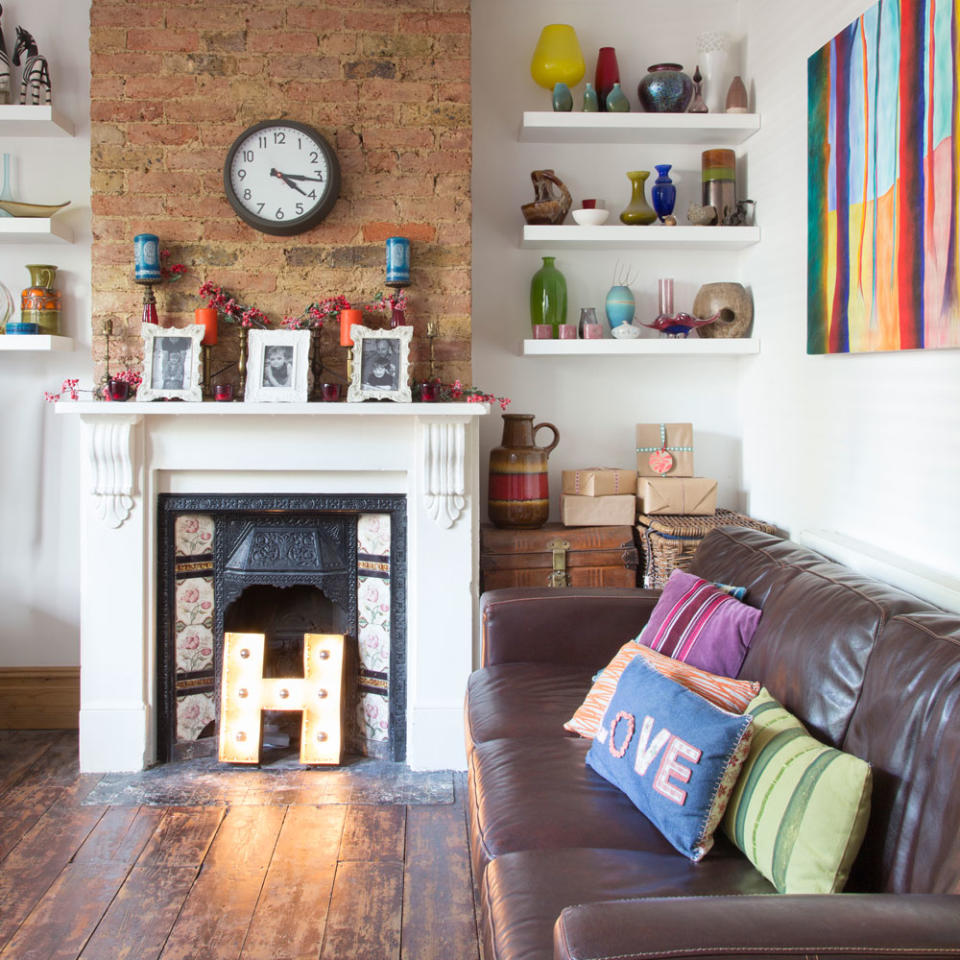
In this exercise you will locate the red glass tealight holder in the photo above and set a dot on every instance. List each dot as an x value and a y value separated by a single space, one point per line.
119 390
330 392
223 392
429 392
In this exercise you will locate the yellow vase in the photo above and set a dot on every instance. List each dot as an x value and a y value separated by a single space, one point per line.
557 57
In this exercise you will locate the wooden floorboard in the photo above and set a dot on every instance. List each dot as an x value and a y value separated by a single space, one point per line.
285 879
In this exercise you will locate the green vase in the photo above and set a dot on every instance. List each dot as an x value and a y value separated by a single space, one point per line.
548 296
638 211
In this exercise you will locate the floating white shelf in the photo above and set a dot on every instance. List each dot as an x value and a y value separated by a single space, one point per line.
19 120
609 236
34 230
38 342
723 129
653 346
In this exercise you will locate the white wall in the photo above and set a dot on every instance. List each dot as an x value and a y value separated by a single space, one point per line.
594 402
866 445
39 466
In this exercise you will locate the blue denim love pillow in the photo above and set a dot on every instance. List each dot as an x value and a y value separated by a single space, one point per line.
674 754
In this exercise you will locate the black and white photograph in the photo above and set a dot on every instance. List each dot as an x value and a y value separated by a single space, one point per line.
278 366
171 362
381 362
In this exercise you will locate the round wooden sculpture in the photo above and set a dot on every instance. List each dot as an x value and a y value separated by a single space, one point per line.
734 305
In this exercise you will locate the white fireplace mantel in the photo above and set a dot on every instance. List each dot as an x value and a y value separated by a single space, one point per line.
137 451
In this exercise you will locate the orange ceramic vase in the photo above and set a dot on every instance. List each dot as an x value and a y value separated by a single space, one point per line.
40 303
518 495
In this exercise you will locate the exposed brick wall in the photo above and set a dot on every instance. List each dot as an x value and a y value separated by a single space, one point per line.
386 81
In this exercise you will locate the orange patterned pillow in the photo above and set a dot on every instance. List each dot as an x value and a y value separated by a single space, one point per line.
724 692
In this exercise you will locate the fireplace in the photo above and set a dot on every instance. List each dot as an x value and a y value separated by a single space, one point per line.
242 458
283 566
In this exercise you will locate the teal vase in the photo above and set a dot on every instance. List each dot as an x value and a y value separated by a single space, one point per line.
617 101
591 102
638 211
548 296
620 305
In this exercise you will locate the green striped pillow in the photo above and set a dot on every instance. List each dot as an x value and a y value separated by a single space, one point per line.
799 809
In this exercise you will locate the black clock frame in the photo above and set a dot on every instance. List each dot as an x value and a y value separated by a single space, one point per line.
308 220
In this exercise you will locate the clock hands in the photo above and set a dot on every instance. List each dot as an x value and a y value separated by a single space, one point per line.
288 180
300 176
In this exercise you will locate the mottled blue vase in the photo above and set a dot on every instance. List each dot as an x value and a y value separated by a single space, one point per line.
562 98
665 89
591 102
663 193
620 305
617 101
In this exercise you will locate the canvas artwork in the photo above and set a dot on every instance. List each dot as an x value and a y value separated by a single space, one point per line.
883 174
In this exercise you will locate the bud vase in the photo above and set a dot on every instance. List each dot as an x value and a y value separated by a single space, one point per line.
663 193
40 303
638 211
548 296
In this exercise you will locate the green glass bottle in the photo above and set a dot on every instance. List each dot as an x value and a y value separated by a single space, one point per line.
548 297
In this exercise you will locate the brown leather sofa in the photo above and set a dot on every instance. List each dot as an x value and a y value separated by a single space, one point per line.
567 867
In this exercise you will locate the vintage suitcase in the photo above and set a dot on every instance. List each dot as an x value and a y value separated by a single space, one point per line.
669 542
558 556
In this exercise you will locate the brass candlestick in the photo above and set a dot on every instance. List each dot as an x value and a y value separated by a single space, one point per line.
432 331
242 363
206 352
316 363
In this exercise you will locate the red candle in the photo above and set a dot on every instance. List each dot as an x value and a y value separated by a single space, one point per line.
207 318
348 317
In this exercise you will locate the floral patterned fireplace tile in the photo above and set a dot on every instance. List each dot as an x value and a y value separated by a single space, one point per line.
373 628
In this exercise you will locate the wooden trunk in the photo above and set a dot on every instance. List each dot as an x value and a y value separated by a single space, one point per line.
558 556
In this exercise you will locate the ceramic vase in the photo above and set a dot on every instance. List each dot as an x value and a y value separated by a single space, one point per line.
713 51
562 98
638 211
40 303
665 89
620 305
607 74
518 494
718 173
734 304
663 193
736 97
617 101
548 296
557 57
591 102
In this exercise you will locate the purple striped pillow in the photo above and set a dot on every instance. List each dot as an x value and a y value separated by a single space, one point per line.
695 622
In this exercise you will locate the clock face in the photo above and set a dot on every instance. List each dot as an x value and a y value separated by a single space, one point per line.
281 177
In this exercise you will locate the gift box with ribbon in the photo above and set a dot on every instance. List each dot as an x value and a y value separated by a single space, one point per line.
690 496
665 449
599 481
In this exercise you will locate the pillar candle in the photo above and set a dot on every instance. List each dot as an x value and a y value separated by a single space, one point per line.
348 317
146 253
207 318
398 262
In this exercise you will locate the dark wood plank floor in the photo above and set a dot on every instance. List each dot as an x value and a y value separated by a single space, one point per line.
270 882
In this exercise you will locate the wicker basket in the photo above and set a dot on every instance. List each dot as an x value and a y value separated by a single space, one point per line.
670 542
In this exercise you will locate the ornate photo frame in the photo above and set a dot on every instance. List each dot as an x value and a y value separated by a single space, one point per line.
171 362
277 370
381 364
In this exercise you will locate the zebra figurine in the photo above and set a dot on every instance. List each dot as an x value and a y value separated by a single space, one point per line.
35 78
4 68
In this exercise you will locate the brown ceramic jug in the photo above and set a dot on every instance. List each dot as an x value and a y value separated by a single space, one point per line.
518 496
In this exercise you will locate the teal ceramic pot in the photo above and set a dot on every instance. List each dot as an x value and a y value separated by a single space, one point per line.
591 102
548 296
620 305
562 98
617 101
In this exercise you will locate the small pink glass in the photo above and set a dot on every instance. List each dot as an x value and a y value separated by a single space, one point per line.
567 331
330 392
592 331
428 392
543 331
223 392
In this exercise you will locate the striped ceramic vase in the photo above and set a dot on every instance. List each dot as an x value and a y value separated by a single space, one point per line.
518 494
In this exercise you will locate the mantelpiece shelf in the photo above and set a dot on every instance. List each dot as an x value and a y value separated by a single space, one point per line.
623 237
34 230
710 129
38 342
19 120
652 346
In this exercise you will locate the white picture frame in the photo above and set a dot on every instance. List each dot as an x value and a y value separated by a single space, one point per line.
381 364
171 362
278 365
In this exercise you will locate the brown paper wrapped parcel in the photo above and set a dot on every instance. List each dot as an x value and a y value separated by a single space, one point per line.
599 481
692 496
675 438
598 511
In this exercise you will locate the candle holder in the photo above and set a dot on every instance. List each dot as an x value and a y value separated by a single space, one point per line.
149 311
316 364
206 357
432 331
242 363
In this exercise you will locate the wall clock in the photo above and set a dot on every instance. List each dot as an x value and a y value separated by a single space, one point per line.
281 177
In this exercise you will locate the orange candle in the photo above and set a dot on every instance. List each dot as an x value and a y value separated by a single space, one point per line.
207 318
348 317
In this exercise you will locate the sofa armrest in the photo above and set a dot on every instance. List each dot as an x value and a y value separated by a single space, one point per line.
581 627
865 925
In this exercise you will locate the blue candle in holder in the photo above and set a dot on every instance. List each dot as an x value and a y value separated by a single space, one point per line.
398 262
146 252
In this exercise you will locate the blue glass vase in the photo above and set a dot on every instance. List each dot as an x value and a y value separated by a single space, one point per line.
663 193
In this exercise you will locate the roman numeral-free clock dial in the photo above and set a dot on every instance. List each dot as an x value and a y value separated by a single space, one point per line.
281 177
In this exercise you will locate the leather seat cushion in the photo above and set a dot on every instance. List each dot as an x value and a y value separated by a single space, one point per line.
524 892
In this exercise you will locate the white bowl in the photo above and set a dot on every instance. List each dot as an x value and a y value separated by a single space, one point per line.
590 217
626 331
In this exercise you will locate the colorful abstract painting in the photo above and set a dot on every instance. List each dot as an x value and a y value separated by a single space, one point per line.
883 174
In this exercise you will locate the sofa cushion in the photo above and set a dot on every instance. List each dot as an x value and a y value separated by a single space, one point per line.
724 692
695 622
524 892
907 725
800 808
675 755
522 700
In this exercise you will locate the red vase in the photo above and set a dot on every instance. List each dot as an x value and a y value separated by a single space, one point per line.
518 496
608 73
